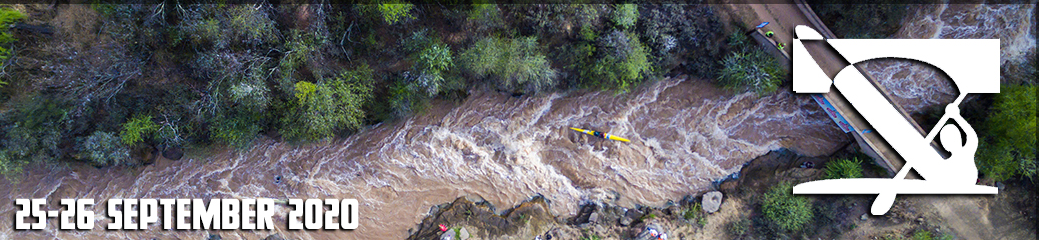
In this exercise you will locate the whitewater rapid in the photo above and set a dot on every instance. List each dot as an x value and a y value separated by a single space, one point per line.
685 133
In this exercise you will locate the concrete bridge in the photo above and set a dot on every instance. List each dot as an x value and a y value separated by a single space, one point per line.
783 17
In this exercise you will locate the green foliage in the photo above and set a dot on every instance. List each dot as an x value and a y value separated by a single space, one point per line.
304 91
486 16
10 167
785 210
591 237
515 65
739 227
618 61
695 214
251 24
1009 136
624 15
547 20
238 96
878 20
749 68
329 106
300 50
689 214
137 129
238 130
922 235
738 40
37 129
682 35
844 168
394 13
431 64
220 27
104 149
7 17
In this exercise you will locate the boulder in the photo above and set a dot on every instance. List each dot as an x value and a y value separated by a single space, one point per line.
173 153
274 237
463 234
712 201
630 216
449 235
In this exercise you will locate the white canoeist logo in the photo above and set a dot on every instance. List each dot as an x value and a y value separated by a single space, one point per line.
973 66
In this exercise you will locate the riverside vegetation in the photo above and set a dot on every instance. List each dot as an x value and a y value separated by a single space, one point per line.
139 76
129 77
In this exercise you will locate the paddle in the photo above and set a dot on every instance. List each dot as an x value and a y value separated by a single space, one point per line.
884 200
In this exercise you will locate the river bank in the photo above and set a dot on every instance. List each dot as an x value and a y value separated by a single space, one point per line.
739 215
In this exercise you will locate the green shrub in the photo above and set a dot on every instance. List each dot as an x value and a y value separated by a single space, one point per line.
739 227
785 210
394 13
104 149
137 129
329 106
7 17
752 69
844 168
37 130
515 65
1007 145
922 235
624 15
403 100
237 130
9 167
304 90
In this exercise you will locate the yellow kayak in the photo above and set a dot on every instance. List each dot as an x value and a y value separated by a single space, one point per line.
601 134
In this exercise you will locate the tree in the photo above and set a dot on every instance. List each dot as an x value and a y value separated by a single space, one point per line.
485 15
783 209
1010 135
621 62
213 26
684 35
431 63
515 65
329 106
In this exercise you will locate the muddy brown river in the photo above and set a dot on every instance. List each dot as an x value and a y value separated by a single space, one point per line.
685 133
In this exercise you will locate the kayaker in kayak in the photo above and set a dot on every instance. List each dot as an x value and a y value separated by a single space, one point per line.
601 135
